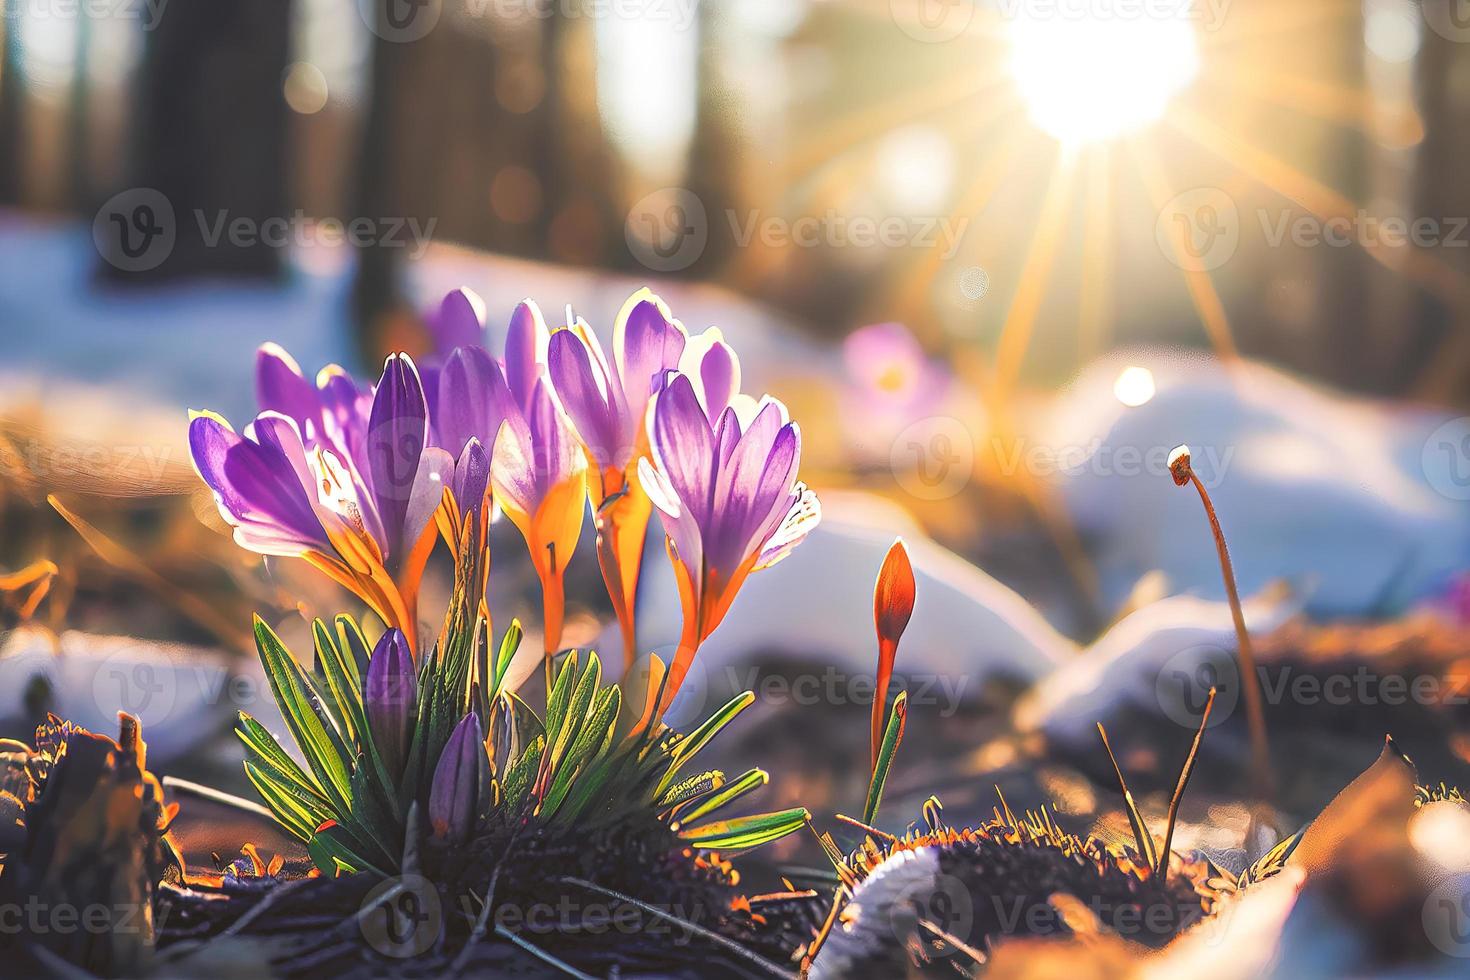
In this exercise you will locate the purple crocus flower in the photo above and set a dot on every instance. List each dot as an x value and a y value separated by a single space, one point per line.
325 472
390 698
723 475
461 782
537 467
608 404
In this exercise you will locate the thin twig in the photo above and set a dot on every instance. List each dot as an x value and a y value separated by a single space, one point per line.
724 942
543 955
272 899
964 947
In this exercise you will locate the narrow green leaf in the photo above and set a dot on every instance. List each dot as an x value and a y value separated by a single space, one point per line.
560 697
297 813
687 789
509 644
592 740
743 833
303 713
346 700
689 746
892 736
331 847
355 647
255 736
750 781
518 779
576 716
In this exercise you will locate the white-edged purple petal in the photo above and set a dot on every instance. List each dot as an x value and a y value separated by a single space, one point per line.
396 436
257 489
586 394
526 341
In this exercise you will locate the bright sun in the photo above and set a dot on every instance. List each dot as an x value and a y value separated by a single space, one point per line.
1091 77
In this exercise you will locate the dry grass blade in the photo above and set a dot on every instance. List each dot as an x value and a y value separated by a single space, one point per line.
1184 774
1146 847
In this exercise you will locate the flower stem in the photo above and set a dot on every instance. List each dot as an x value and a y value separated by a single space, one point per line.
1262 774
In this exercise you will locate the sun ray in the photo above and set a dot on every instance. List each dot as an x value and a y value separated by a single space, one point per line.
1202 292
1283 19
907 294
876 120
1416 265
1312 97
1095 298
1020 320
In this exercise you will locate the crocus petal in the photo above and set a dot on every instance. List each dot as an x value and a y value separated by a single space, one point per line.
436 471
390 698
801 519
281 387
893 604
396 436
713 368
893 596
558 455
473 400
647 341
471 477
584 391
458 322
257 489
683 446
460 779
526 341
345 409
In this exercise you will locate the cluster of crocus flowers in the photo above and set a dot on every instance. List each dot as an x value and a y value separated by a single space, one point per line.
356 480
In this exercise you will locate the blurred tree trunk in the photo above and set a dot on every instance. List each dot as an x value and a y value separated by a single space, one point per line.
79 121
1437 351
212 135
714 160
12 109
375 289
1340 345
